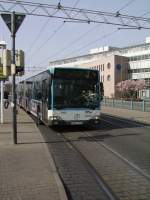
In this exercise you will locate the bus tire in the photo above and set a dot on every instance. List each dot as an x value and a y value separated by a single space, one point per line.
6 104
38 116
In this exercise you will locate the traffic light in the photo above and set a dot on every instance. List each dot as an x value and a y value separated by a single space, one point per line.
1 69
1 64
20 62
6 60
8 68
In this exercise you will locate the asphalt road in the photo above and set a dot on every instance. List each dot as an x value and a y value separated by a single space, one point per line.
109 161
130 139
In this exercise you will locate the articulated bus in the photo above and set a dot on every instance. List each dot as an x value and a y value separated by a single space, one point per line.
62 96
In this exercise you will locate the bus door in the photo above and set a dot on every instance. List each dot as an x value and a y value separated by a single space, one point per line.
45 100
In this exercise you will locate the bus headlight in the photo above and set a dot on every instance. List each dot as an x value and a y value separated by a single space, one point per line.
96 119
55 118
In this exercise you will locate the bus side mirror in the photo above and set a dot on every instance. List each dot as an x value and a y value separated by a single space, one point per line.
50 79
101 91
39 95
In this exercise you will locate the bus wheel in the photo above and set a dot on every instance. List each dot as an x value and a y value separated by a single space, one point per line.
38 116
6 104
38 122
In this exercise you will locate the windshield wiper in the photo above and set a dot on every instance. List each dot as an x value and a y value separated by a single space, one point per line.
92 107
59 107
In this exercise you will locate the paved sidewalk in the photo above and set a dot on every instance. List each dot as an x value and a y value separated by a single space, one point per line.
27 170
129 114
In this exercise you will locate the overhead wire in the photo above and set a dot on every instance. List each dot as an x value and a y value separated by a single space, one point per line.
48 39
104 36
40 9
84 34
76 3
92 42
54 33
70 9
68 45
38 36
126 5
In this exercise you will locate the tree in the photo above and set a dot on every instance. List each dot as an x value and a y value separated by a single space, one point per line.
129 88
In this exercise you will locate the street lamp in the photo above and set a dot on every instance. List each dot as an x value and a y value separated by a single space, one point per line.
2 44
121 70
2 47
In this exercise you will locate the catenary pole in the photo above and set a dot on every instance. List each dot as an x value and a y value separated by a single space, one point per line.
2 97
13 79
13 22
2 46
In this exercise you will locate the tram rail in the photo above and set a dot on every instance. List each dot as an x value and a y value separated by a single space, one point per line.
96 157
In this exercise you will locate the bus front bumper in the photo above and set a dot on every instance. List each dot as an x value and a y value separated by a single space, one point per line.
83 122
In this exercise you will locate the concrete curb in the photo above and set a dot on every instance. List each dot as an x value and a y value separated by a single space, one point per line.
127 118
59 183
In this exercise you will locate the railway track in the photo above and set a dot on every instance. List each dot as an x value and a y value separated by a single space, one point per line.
91 169
100 182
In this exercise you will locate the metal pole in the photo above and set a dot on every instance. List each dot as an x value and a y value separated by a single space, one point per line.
13 79
2 119
121 75
3 45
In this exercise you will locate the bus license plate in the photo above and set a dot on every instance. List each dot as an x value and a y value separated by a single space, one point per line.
76 123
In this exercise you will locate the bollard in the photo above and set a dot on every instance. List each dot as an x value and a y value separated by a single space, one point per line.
113 102
131 104
143 105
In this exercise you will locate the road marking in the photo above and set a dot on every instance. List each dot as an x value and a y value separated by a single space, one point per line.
122 158
127 161
139 123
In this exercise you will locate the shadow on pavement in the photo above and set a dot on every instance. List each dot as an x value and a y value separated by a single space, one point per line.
104 136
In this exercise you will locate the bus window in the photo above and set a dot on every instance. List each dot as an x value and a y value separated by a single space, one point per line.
101 91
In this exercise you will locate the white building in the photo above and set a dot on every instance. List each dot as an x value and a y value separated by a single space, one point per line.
139 63
133 61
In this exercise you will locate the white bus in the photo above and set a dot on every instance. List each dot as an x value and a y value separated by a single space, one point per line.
62 96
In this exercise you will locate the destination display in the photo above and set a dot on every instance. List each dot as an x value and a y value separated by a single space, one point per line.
2 77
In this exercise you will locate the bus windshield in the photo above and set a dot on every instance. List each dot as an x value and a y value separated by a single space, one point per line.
76 89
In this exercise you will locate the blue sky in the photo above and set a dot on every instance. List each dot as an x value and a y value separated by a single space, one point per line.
55 40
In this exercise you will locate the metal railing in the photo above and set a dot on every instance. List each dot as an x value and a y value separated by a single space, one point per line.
143 105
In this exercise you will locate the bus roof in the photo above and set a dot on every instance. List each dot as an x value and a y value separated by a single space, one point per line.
51 70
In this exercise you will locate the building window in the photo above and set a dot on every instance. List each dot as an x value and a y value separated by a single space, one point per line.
108 78
108 65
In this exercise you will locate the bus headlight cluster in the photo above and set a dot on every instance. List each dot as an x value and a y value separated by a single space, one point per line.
97 117
55 117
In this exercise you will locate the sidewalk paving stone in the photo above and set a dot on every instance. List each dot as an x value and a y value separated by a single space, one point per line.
138 116
27 171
